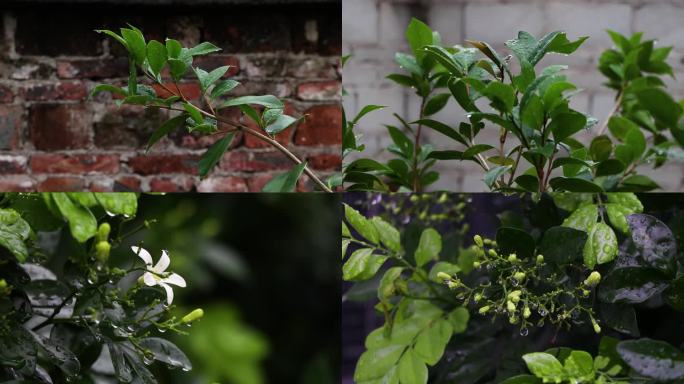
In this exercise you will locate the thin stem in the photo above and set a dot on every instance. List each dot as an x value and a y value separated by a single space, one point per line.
616 107
515 166
416 149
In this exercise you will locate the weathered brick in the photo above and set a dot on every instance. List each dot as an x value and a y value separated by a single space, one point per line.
127 183
92 68
165 163
17 183
196 140
101 185
59 126
167 184
128 126
12 164
325 161
61 184
256 182
263 66
323 126
312 67
77 164
190 90
11 118
321 90
249 31
65 90
241 161
6 94
223 184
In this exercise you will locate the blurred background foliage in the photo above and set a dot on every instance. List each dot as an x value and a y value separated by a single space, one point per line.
265 269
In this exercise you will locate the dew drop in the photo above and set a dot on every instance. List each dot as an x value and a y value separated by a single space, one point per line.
524 332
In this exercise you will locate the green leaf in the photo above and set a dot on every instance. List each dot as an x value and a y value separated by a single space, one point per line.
58 355
268 101
14 243
107 88
459 319
563 245
573 184
375 363
442 56
362 265
207 79
443 129
429 247
431 342
362 225
118 203
165 129
619 126
82 223
388 234
286 182
436 104
528 182
156 56
601 246
544 365
617 214
566 124
527 47
412 369
203 49
173 48
114 35
580 365
652 358
194 113
418 35
582 218
493 174
135 42
166 352
502 96
609 167
386 287
661 105
627 200
600 148
366 110
223 87
214 154
632 285
282 123
639 183
515 241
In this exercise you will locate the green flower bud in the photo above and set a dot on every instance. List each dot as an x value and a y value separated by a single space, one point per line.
103 231
488 241
460 206
597 328
593 279
477 297
443 276
442 198
413 198
512 258
520 276
102 249
193 316
452 284
492 253
510 306
540 259
526 312
478 241
484 310
514 296
3 284
585 292
513 319
476 264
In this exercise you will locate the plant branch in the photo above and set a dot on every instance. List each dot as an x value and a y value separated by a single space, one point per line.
416 148
616 107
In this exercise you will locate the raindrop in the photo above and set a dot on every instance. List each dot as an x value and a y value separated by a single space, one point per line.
543 312
161 330
186 369
524 332
148 360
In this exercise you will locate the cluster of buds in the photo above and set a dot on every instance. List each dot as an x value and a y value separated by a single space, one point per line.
102 246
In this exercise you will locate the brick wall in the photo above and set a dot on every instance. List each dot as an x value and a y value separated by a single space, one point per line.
374 29
53 137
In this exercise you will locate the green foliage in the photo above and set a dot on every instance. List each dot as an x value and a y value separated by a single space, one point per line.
538 149
153 57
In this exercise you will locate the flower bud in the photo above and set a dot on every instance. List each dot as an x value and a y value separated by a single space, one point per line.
102 249
476 264
513 319
540 259
193 316
492 253
443 276
484 310
452 284
520 276
512 258
526 312
514 296
593 279
103 231
478 241
597 328
477 297
3 284
488 241
413 198
510 306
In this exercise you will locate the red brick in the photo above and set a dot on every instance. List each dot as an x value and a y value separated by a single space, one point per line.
66 90
12 164
284 137
92 69
11 119
128 126
325 161
59 126
241 161
101 185
61 184
59 163
165 184
127 183
155 164
322 90
6 94
223 184
322 126
190 90
308 67
17 183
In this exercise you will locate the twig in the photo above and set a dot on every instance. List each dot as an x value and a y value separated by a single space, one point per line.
616 107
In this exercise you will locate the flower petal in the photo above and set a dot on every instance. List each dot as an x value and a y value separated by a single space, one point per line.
163 263
149 279
175 279
169 292
143 254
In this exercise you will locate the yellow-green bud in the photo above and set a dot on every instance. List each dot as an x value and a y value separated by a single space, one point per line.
520 276
478 241
526 312
477 297
510 306
492 253
514 296
443 276
193 316
512 258
585 292
540 259
488 241
103 231
476 264
442 198
414 198
484 310
597 328
3 284
593 279
513 319
102 249
452 284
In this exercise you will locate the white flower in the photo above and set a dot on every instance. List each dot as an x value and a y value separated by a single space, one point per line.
157 275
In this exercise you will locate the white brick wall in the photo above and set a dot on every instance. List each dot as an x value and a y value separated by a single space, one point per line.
374 29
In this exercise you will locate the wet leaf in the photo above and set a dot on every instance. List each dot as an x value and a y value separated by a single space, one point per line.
654 242
631 285
166 352
652 358
562 245
513 240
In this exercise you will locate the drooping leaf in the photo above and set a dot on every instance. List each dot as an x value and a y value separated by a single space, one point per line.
214 154
652 358
429 247
82 223
285 182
